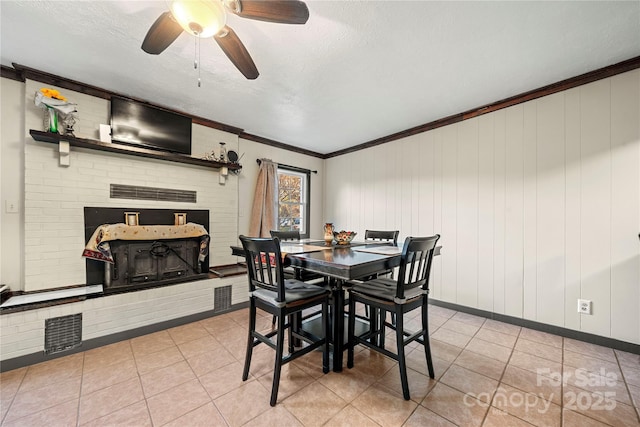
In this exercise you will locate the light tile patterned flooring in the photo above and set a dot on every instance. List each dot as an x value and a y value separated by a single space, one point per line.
487 373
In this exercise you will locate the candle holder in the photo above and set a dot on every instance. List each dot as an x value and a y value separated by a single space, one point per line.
180 218
131 218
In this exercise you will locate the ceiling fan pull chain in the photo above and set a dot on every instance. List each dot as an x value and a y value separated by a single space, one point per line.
196 57
199 68
195 53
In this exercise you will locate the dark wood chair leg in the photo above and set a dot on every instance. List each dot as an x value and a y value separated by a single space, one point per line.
278 364
425 337
383 318
402 363
325 332
351 331
374 318
296 325
292 321
252 328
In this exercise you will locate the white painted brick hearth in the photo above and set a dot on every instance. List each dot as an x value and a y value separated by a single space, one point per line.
23 332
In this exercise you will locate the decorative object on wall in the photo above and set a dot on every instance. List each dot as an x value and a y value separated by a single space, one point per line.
55 107
207 18
232 156
180 218
132 218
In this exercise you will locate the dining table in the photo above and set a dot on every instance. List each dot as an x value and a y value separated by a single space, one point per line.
340 264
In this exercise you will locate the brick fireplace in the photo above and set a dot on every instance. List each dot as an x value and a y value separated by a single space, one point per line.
51 234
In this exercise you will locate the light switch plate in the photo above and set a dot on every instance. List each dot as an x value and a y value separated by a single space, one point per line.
11 206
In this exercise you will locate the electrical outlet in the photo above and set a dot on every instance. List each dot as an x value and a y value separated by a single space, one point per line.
584 306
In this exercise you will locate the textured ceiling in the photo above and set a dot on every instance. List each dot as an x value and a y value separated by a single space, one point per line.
357 71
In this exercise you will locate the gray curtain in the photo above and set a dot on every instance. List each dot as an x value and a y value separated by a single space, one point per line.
263 212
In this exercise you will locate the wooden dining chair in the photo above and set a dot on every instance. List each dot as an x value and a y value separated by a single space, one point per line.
382 236
386 236
286 235
406 293
291 272
285 299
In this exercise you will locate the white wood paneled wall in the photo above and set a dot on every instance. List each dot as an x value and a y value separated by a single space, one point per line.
537 204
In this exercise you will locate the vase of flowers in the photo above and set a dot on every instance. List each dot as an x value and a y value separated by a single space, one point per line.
55 106
50 120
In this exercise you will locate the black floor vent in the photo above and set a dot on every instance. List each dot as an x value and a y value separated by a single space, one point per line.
222 298
62 333
136 192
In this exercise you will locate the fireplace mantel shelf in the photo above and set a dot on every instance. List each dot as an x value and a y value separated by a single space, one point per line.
55 138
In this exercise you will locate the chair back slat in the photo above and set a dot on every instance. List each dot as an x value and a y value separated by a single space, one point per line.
382 235
286 235
415 264
264 264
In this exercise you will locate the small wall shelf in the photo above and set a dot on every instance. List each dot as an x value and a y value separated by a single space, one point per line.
55 138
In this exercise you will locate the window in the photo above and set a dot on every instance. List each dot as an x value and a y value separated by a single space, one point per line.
293 200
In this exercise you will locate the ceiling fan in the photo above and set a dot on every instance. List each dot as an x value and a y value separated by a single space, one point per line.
207 18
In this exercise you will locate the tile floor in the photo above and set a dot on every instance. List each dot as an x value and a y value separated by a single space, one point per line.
487 373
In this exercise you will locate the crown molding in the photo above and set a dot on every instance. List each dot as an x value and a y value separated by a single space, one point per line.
271 142
10 73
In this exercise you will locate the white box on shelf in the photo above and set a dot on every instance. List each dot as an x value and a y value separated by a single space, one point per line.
105 133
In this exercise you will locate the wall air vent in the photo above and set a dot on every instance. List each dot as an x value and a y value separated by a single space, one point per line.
62 333
136 192
222 298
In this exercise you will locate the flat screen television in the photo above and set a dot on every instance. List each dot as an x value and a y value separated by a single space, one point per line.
143 125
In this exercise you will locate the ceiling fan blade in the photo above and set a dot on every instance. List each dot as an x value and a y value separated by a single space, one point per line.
279 11
161 34
237 53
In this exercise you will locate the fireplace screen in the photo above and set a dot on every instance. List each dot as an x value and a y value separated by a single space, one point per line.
149 262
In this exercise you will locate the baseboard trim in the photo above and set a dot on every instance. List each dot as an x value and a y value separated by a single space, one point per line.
33 358
543 327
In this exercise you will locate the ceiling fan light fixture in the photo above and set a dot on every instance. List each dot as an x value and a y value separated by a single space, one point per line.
200 18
